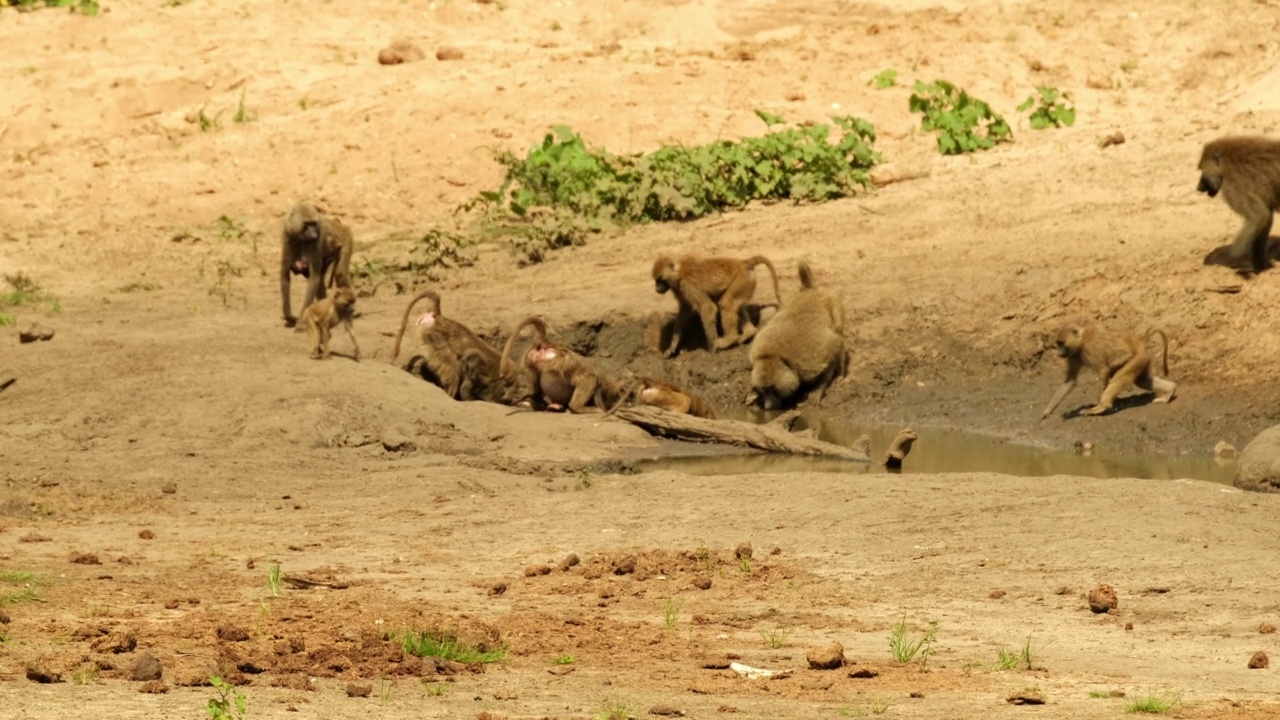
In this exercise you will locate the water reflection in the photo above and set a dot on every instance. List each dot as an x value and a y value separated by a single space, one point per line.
949 451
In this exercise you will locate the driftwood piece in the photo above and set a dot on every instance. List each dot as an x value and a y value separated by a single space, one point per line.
773 436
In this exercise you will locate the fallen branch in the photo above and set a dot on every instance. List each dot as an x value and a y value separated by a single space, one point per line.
771 437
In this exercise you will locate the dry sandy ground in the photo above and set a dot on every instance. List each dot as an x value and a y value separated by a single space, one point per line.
170 370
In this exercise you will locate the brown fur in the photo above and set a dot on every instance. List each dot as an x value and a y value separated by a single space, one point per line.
558 376
1246 170
323 315
312 244
1120 360
802 346
711 288
659 394
463 365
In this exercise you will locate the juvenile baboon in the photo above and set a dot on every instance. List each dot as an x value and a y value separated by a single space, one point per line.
1120 361
656 393
558 376
802 346
463 365
1246 170
324 314
312 245
711 287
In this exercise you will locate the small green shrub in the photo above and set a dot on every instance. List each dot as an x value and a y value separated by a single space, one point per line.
963 123
886 78
1056 109
446 645
228 705
84 7
905 650
1152 704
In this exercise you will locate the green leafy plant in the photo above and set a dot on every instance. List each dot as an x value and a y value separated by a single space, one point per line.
447 645
886 78
84 7
564 660
776 637
904 649
963 123
1152 704
228 705
1056 109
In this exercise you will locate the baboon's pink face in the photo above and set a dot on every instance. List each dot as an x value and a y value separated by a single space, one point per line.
301 267
427 319
542 353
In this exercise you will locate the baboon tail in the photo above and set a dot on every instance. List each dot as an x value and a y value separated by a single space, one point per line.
806 275
404 321
773 273
506 368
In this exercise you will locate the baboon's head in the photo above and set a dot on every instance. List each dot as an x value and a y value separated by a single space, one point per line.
1210 172
665 274
1068 339
344 299
427 319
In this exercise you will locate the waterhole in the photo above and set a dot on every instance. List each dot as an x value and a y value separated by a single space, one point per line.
950 451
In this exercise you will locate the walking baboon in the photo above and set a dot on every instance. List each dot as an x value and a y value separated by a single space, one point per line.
1246 170
656 393
802 346
324 314
711 287
463 365
1120 361
558 376
311 245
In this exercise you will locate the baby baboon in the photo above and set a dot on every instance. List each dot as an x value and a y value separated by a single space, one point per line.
1120 360
802 346
656 393
324 314
463 365
311 245
1246 170
559 377
709 287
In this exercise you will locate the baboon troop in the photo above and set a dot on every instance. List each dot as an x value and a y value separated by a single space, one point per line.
797 351
1246 170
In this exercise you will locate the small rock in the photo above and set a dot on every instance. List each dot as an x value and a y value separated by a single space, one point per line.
396 441
85 559
743 551
169 488
1259 661
400 51
33 333
1103 599
1115 138
702 583
153 687
714 663
1224 450
42 675
172 604
146 535
997 594
448 52
570 560
915 694
359 689
1128 626
35 538
146 667
536 570
1027 696
1266 628
232 633
4 618
666 711
116 643
498 588
830 657
864 674
625 566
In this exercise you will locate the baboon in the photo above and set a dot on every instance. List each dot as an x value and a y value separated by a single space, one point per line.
558 376
802 346
709 287
324 314
1246 170
463 365
656 393
312 244
1120 360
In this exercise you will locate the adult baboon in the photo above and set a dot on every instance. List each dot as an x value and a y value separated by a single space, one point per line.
1246 170
711 288
802 346
1120 361
312 244
463 365
558 376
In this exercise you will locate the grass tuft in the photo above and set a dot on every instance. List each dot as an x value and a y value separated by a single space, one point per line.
1152 704
447 646
905 650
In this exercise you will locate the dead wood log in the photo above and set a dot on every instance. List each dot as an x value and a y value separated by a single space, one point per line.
771 437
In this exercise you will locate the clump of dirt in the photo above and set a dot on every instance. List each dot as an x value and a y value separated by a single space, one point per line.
826 658
1259 661
1103 599
689 568
1266 628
